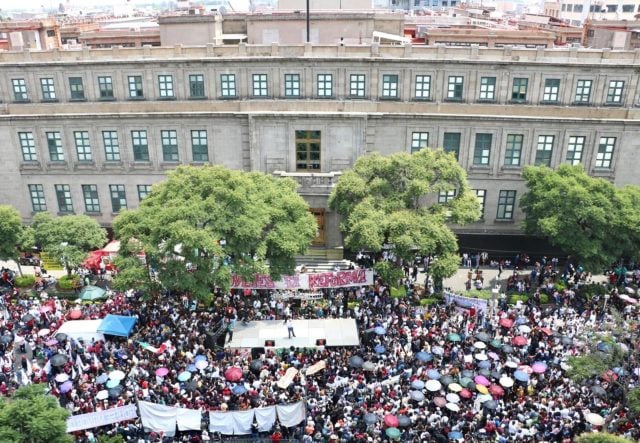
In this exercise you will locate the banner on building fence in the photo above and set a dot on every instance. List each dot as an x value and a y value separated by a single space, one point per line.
338 279
101 418
239 422
478 304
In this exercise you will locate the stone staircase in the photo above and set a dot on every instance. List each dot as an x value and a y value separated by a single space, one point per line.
321 259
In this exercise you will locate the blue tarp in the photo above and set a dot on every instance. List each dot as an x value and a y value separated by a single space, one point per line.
117 325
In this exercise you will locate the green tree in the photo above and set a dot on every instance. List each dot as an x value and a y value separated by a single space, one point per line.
587 217
10 233
204 224
601 437
68 238
392 202
31 416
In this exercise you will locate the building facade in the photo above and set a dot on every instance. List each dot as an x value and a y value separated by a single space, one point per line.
91 131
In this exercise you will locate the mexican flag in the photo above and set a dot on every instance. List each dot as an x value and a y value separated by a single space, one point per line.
153 349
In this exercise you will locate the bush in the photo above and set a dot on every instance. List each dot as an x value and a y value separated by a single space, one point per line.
544 298
484 294
429 301
66 283
26 281
398 292
513 298
601 437
352 304
589 291
560 286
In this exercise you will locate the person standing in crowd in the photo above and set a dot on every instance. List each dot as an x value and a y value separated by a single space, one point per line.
289 324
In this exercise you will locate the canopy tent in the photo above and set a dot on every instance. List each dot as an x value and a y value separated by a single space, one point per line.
87 330
117 325
90 293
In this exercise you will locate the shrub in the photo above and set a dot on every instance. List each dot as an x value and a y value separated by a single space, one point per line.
66 283
544 298
601 437
398 292
560 286
352 304
26 281
429 301
484 294
589 291
513 298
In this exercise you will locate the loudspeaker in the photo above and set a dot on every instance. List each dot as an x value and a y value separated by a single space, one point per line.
269 343
210 341
256 353
321 342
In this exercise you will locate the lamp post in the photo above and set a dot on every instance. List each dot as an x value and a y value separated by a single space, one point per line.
308 24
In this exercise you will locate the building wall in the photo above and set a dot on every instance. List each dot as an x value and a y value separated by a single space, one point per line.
249 131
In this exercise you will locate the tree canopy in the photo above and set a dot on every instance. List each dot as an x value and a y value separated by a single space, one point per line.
31 416
587 217
68 238
601 437
10 232
392 202
214 222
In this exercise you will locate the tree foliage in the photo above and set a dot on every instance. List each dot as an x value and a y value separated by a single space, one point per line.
587 217
68 238
392 201
31 416
214 222
10 232
601 437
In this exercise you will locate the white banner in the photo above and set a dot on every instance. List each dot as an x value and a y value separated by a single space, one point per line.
478 304
291 415
158 418
265 417
189 419
101 418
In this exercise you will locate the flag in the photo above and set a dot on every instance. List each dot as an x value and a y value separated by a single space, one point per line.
47 367
153 349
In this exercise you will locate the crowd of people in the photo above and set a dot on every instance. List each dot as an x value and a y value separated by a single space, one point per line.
421 373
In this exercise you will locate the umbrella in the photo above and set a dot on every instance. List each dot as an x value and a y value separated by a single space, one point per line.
497 344
522 320
45 308
594 419
91 293
484 372
115 392
446 380
75 314
379 349
369 366
6 339
391 420
486 364
201 364
102 395
482 389
491 404
508 349
379 330
455 435
438 350
466 373
568 341
61 336
454 387
609 376
161 372
483 336
59 360
495 374
112 383
393 433
356 361
479 345
465 393
493 356
519 340
480 356
539 367
423 356
27 318
370 418
630 290
521 376
452 407
484 398
464 381
505 322
102 378
119 375
454 337
433 385
43 332
19 339
604 347
481 380
66 386
184 376
416 395
200 357
440 401
238 390
433 374
524 329
61 378
547 331
417 384
511 364
526 368
599 391
404 421
233 373
51 342
620 371
496 390
192 368
453 398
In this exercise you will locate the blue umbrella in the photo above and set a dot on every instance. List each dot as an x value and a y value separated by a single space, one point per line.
620 371
416 395
521 320
201 357
184 376
379 349
455 435
604 347
379 330
417 384
239 390
370 418
424 356
485 364
521 376
102 379
112 383
192 368
438 350
433 374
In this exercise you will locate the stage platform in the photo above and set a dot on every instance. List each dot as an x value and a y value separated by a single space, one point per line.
336 332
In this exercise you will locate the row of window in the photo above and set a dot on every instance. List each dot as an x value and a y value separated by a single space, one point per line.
117 194
325 88
514 148
599 8
506 202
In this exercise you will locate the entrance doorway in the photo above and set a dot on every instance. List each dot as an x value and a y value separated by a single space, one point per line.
318 213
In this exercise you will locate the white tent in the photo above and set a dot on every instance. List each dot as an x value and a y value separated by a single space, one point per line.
87 330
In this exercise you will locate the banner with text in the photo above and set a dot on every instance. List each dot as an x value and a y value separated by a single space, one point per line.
101 418
338 279
478 304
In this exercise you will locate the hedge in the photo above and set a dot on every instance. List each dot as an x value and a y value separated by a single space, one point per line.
26 281
514 298
398 292
66 283
429 301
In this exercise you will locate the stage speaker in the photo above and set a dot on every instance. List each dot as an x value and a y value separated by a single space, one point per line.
321 342
256 353
210 341
269 343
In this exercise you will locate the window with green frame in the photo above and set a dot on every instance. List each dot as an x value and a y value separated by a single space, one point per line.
308 151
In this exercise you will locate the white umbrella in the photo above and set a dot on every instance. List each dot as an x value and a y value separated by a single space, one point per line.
481 356
479 345
433 385
524 329
43 332
453 398
61 378
507 382
594 419
102 395
484 397
116 375
630 290
455 387
452 407
511 364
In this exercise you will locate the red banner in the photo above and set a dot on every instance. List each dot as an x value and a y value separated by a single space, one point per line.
339 279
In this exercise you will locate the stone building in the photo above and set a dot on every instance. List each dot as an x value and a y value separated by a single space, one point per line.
91 131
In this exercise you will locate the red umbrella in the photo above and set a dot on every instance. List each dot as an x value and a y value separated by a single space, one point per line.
519 340
609 376
505 322
465 393
496 390
546 331
75 314
391 421
440 401
233 373
45 308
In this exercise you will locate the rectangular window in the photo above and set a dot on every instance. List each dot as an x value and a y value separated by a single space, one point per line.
612 8
577 8
111 146
519 90
169 145
28 146
105 85
357 85
506 205
292 85
628 8
140 145
389 86
575 149
199 146
143 191
487 88
48 89
583 91
451 143
325 85
83 147
445 197
228 85
38 203
196 86
76 86
614 93
165 86
135 87
118 197
551 90
481 194
63 195
54 143
605 152
455 87
544 150
423 87
419 140
482 149
91 200
19 90
308 151
513 153
260 85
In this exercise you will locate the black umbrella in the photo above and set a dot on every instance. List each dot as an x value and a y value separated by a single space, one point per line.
61 336
115 392
467 373
370 418
599 391
446 380
404 421
508 349
191 386
27 318
59 360
356 361
566 341
256 366
6 339
483 336
485 372
491 404
496 375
